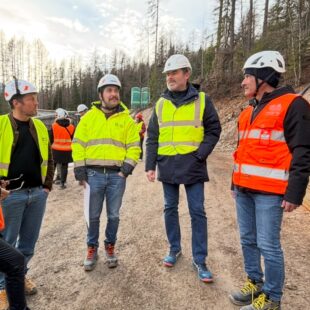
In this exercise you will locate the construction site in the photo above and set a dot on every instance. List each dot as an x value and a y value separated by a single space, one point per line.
140 281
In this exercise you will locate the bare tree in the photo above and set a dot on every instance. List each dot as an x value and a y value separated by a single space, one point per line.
266 10
153 12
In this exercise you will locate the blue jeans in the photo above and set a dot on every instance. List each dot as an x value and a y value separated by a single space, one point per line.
259 219
23 212
109 186
195 200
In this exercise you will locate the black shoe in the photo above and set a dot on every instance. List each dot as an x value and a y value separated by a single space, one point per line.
63 186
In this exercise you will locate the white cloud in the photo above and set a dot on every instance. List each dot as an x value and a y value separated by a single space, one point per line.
74 25
123 32
77 27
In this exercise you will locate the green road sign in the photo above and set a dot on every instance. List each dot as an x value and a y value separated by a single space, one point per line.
140 97
135 97
145 96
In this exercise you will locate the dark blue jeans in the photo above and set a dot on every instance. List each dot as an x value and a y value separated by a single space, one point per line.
23 212
109 186
195 200
12 264
259 219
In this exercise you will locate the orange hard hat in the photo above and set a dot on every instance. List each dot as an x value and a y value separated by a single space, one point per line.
139 116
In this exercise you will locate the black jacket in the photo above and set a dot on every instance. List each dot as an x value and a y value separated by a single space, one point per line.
297 136
188 168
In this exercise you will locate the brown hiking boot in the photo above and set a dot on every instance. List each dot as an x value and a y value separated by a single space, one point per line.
110 255
91 258
30 287
4 303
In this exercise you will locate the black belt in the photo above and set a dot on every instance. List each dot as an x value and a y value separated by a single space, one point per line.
106 169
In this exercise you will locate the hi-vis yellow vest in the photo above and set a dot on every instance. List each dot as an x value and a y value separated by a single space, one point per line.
7 139
106 142
180 129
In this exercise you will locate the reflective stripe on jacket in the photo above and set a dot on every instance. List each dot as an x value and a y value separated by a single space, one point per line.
62 137
180 128
99 141
7 139
262 159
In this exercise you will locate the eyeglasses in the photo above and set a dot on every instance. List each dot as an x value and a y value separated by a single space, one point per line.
15 179
17 188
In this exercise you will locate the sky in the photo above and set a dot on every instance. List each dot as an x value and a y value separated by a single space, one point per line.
77 27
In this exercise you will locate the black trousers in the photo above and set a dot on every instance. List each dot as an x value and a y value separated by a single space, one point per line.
61 171
12 264
141 145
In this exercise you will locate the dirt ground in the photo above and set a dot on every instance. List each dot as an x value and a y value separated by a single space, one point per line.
140 281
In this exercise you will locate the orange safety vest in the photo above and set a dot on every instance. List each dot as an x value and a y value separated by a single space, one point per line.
62 137
262 159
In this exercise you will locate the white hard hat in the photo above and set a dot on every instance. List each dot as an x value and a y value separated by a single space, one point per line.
176 62
18 87
81 108
109 79
61 113
266 59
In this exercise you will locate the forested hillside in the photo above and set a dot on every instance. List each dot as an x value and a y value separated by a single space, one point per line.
242 28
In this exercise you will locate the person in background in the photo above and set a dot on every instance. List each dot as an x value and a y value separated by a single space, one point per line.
61 135
141 130
81 109
25 155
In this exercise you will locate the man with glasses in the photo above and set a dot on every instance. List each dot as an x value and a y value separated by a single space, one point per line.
25 155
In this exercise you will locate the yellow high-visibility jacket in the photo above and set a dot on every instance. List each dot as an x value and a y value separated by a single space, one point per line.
180 128
7 140
99 141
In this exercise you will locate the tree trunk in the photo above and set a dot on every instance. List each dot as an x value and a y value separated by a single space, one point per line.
265 25
232 36
219 25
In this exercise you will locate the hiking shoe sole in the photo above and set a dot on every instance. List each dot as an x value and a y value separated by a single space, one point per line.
170 261
112 263
239 302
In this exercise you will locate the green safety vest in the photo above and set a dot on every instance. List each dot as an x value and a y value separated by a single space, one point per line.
106 142
180 128
7 139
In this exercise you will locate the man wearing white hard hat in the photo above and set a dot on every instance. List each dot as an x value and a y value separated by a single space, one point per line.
81 109
270 176
106 148
61 135
25 158
183 130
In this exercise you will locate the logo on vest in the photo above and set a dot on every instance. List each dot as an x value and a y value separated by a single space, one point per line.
44 140
119 125
274 109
